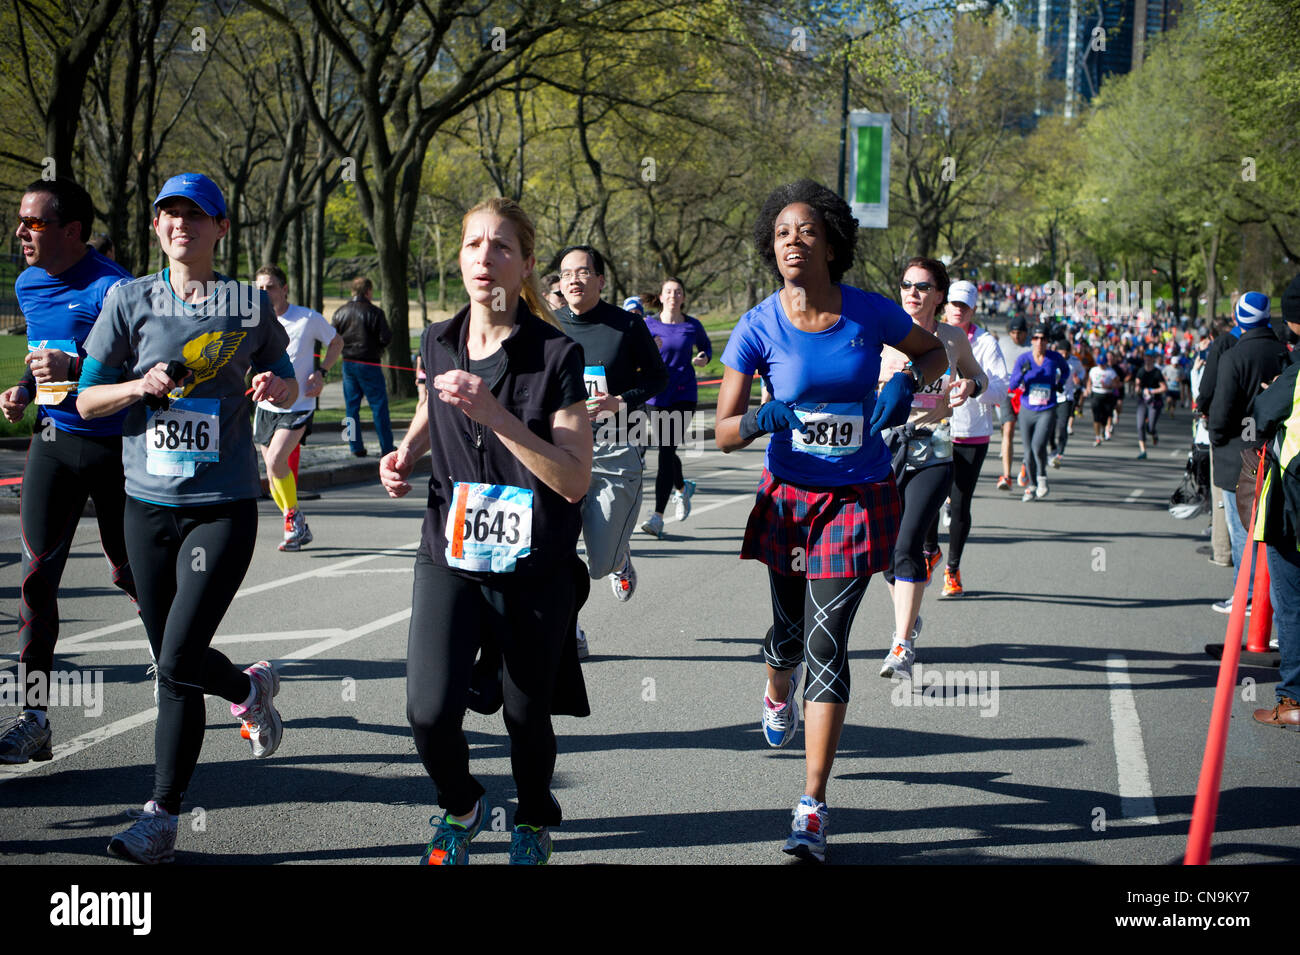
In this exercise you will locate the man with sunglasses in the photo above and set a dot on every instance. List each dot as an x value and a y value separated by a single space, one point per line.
69 459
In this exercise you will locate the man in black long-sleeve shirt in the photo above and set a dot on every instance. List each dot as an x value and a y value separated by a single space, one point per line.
365 334
622 370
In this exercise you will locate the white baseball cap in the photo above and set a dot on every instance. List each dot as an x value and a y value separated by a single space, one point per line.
963 293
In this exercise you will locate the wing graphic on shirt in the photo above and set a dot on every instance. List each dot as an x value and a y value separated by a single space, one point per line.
208 354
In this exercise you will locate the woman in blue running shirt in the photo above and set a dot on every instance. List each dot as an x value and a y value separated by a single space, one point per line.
826 514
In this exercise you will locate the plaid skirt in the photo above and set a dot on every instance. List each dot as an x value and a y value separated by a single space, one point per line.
844 531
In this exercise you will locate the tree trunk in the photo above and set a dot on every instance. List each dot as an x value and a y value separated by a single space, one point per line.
318 246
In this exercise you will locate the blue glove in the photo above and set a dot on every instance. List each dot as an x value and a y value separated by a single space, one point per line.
773 417
893 404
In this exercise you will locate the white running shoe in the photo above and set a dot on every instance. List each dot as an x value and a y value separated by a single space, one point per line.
808 831
654 526
1027 496
682 500
623 581
583 652
901 656
780 722
1041 490
151 840
296 532
261 719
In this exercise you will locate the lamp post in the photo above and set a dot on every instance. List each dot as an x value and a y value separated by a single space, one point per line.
844 110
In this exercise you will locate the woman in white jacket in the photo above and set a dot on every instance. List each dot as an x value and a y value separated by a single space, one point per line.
972 424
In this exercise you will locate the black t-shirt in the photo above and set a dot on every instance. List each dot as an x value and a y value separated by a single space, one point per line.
1152 379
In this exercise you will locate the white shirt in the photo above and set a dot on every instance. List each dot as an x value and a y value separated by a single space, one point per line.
305 328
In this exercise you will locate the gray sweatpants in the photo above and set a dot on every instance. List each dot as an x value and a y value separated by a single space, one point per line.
612 505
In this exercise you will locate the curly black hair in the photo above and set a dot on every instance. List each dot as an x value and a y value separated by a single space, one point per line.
841 226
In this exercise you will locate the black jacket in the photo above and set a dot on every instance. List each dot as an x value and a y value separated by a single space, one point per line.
1257 357
619 342
1213 355
364 329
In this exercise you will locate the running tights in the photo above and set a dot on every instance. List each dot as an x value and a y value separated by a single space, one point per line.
922 493
60 474
189 562
670 431
1148 416
1035 429
528 617
967 460
811 623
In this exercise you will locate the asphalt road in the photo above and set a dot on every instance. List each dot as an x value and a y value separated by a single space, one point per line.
1081 741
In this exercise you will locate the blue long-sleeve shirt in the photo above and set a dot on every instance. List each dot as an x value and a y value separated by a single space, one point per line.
1040 382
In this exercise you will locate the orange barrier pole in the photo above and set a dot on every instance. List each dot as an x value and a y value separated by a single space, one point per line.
1206 807
1261 606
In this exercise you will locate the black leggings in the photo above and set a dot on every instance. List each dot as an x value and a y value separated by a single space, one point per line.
670 424
60 474
528 617
922 493
967 460
189 563
811 620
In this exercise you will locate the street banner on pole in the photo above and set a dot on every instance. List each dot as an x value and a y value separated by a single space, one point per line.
869 168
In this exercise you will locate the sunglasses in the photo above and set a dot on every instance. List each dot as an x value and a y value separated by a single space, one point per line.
919 286
35 224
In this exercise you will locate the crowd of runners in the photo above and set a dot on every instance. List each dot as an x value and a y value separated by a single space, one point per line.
538 402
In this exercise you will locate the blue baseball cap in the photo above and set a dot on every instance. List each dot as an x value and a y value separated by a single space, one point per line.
631 302
199 189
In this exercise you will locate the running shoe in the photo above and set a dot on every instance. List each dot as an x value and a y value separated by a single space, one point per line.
1004 483
1027 496
261 719
1096 442
654 526
1041 490
780 722
530 845
1155 439
682 500
624 581
25 738
583 652
1142 456
296 532
931 562
808 831
898 661
947 514
1023 480
952 583
1056 460
450 842
151 840
1225 606
1107 435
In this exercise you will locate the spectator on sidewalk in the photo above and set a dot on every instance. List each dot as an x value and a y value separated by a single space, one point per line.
1277 417
1258 357
365 336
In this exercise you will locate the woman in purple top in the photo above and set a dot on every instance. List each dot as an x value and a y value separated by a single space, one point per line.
684 345
1041 372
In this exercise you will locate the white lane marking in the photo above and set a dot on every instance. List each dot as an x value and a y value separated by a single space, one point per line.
1134 496
1177 454
144 717
65 642
704 509
1137 805
116 645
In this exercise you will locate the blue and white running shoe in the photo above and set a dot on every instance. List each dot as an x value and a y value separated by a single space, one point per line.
780 722
808 831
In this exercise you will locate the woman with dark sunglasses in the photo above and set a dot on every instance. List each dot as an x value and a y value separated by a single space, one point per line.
1041 373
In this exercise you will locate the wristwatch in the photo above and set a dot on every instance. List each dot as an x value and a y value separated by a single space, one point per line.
917 381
